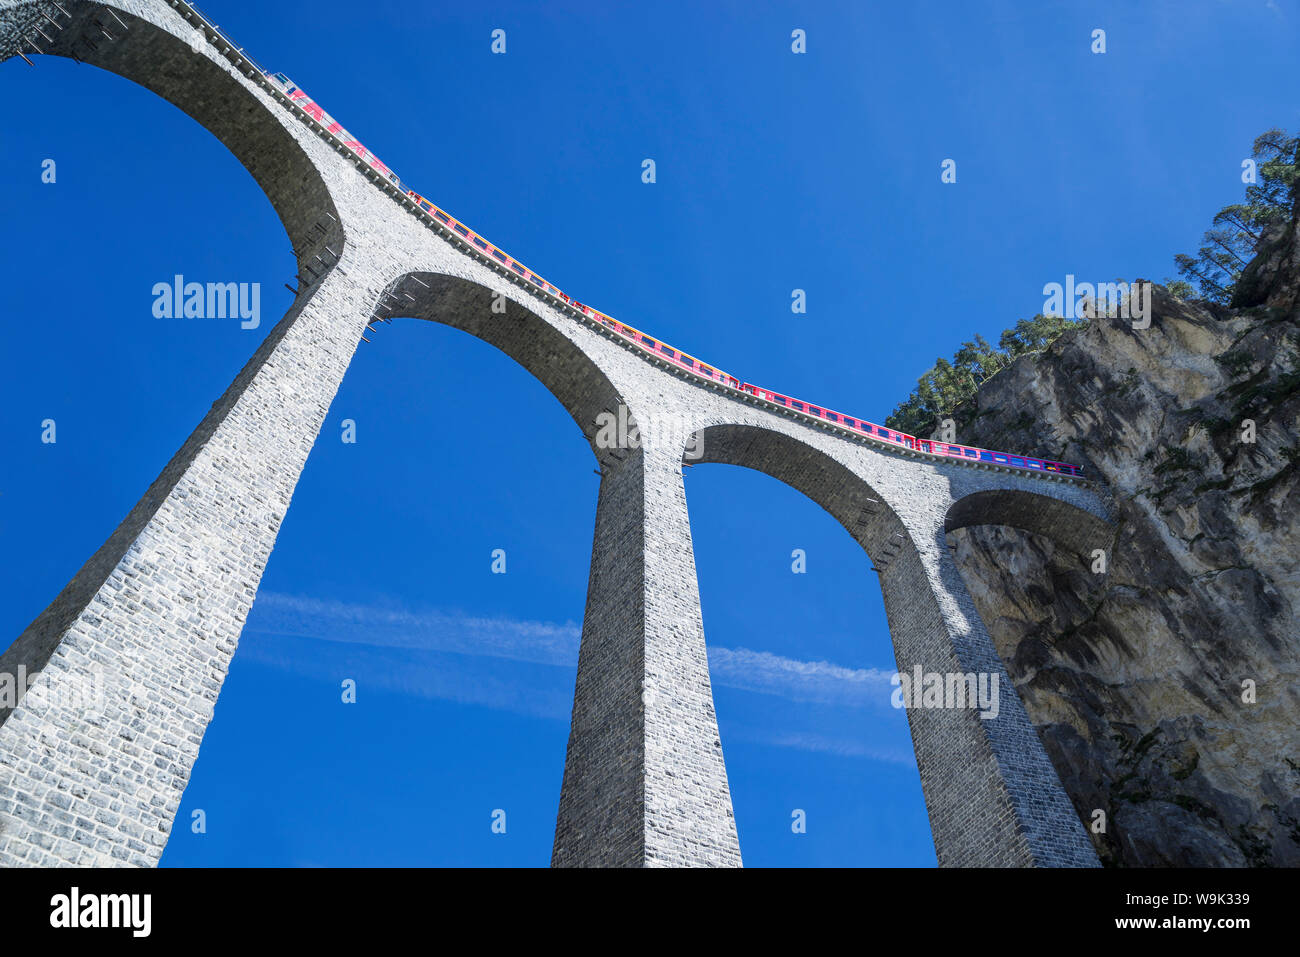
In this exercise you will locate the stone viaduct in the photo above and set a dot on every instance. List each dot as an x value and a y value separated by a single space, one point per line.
157 611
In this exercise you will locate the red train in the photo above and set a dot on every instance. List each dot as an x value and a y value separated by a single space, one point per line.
655 347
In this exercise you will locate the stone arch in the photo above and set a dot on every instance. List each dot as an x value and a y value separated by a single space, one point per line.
845 495
1069 526
204 88
561 365
991 793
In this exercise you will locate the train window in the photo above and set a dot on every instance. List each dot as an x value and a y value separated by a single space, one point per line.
441 215
479 243
687 360
796 404
668 352
460 229
814 410
519 269
497 253
647 340
704 368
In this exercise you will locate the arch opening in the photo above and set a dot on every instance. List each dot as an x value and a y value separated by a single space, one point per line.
876 530
819 763
561 365
1068 525
477 667
256 132
980 763
848 498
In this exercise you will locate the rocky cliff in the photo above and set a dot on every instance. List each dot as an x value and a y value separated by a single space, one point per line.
1166 688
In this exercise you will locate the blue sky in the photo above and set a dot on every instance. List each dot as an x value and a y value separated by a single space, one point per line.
775 171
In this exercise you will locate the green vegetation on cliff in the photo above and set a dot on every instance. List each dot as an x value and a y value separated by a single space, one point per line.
1235 236
1237 232
950 383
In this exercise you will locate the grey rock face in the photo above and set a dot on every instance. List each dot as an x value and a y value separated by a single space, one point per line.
1134 679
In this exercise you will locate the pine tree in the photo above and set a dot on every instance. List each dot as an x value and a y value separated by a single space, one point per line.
1236 231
